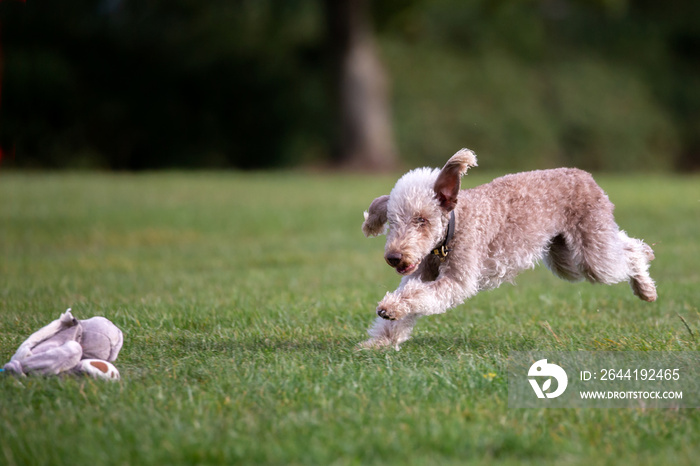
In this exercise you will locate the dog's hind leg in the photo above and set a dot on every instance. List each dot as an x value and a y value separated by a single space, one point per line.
607 255
559 258
639 254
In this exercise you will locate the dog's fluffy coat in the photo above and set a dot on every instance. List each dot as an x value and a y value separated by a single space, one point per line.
559 216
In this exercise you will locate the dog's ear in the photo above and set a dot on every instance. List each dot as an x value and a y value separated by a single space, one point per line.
448 181
375 217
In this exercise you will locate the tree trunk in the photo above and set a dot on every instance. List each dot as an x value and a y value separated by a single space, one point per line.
364 139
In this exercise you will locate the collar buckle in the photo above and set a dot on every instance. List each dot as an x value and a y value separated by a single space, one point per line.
443 250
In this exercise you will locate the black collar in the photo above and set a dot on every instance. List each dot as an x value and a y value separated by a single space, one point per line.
443 250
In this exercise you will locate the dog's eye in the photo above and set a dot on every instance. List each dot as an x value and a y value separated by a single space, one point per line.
421 221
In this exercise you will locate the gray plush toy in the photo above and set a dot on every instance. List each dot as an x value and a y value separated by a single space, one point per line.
70 345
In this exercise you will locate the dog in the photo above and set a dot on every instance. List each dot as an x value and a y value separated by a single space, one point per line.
449 244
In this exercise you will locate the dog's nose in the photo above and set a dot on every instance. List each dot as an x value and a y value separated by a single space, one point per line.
393 258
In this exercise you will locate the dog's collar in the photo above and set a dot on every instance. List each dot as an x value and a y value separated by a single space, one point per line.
442 251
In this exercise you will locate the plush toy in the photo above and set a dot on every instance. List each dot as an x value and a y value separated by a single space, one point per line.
70 345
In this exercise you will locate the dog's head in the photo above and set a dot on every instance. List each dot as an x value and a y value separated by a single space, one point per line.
417 211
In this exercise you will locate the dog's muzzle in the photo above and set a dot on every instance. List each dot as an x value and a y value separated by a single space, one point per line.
396 261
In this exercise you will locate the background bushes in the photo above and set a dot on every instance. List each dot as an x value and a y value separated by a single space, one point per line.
605 85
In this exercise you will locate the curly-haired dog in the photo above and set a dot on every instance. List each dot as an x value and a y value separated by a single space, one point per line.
450 244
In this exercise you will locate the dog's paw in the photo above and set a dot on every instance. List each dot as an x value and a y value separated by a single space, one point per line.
391 309
373 344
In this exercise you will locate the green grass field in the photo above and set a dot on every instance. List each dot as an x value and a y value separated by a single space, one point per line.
242 296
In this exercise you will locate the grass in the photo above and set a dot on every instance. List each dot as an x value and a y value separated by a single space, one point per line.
241 297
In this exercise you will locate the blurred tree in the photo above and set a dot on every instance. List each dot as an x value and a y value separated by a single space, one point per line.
365 139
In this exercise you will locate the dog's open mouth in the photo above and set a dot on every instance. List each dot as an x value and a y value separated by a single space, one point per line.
408 269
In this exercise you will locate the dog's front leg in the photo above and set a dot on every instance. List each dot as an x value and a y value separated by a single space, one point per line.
389 332
416 297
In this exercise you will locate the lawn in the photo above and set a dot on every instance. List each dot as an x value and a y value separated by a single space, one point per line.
242 296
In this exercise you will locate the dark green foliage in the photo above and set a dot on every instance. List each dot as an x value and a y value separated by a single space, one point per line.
165 83
607 85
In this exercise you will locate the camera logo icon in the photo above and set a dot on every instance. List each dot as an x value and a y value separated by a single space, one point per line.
543 369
